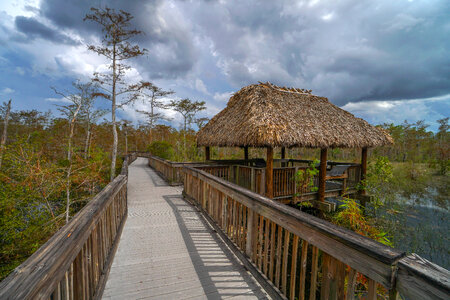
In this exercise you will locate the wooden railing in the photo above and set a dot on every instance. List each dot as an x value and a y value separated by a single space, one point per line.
74 263
173 174
284 185
303 256
171 171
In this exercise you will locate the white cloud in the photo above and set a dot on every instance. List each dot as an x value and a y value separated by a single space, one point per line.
7 91
396 111
20 71
132 114
62 100
200 86
222 97
18 7
327 17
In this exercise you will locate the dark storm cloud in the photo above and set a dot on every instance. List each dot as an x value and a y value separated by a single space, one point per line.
171 49
346 50
32 29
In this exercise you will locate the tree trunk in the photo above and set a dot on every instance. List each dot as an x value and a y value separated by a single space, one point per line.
151 119
86 143
184 140
269 172
69 158
68 193
113 119
5 132
126 142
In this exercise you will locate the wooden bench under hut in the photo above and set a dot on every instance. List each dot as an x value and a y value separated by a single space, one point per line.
269 116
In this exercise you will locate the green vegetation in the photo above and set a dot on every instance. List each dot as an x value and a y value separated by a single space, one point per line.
161 149
305 180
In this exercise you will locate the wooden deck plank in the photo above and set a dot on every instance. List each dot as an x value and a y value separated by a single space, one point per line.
167 250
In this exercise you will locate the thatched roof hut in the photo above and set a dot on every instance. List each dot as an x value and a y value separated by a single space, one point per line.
265 115
262 115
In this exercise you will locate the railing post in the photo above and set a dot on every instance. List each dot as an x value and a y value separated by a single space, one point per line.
203 203
363 168
250 233
322 174
252 180
294 197
262 185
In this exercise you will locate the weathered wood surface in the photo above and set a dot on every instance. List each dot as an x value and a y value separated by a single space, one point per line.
342 253
73 263
368 257
167 251
417 278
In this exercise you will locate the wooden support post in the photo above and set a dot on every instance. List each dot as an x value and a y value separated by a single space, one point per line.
322 174
246 152
363 167
250 233
269 172
252 180
283 156
207 153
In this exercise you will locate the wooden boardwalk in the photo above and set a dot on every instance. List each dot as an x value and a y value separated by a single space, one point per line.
168 251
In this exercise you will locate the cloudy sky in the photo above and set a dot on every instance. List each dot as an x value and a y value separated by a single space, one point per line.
383 60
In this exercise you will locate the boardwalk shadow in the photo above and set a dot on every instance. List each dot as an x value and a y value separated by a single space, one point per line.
220 273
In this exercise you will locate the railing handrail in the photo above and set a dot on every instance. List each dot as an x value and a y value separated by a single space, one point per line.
39 275
349 247
418 278
177 164
411 275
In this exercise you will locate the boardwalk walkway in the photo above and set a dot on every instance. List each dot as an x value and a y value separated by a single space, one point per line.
168 251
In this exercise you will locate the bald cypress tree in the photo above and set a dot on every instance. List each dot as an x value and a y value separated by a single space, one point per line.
115 46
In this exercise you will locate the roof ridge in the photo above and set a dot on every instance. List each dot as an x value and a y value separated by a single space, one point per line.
286 89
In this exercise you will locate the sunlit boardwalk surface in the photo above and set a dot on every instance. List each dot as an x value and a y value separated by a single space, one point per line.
168 251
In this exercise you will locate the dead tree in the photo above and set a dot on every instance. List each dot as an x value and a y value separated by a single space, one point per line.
117 49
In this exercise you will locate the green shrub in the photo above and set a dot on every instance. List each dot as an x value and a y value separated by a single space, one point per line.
161 149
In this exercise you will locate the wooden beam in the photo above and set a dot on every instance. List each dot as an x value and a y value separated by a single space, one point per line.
322 174
269 173
207 153
283 156
246 152
363 167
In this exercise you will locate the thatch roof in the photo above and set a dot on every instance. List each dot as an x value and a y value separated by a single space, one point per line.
263 114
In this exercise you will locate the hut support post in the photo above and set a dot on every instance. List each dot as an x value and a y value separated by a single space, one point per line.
269 172
363 167
207 153
283 155
322 174
246 152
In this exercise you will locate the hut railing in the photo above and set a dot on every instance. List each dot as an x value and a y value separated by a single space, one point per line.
171 171
74 263
284 184
301 255
354 177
